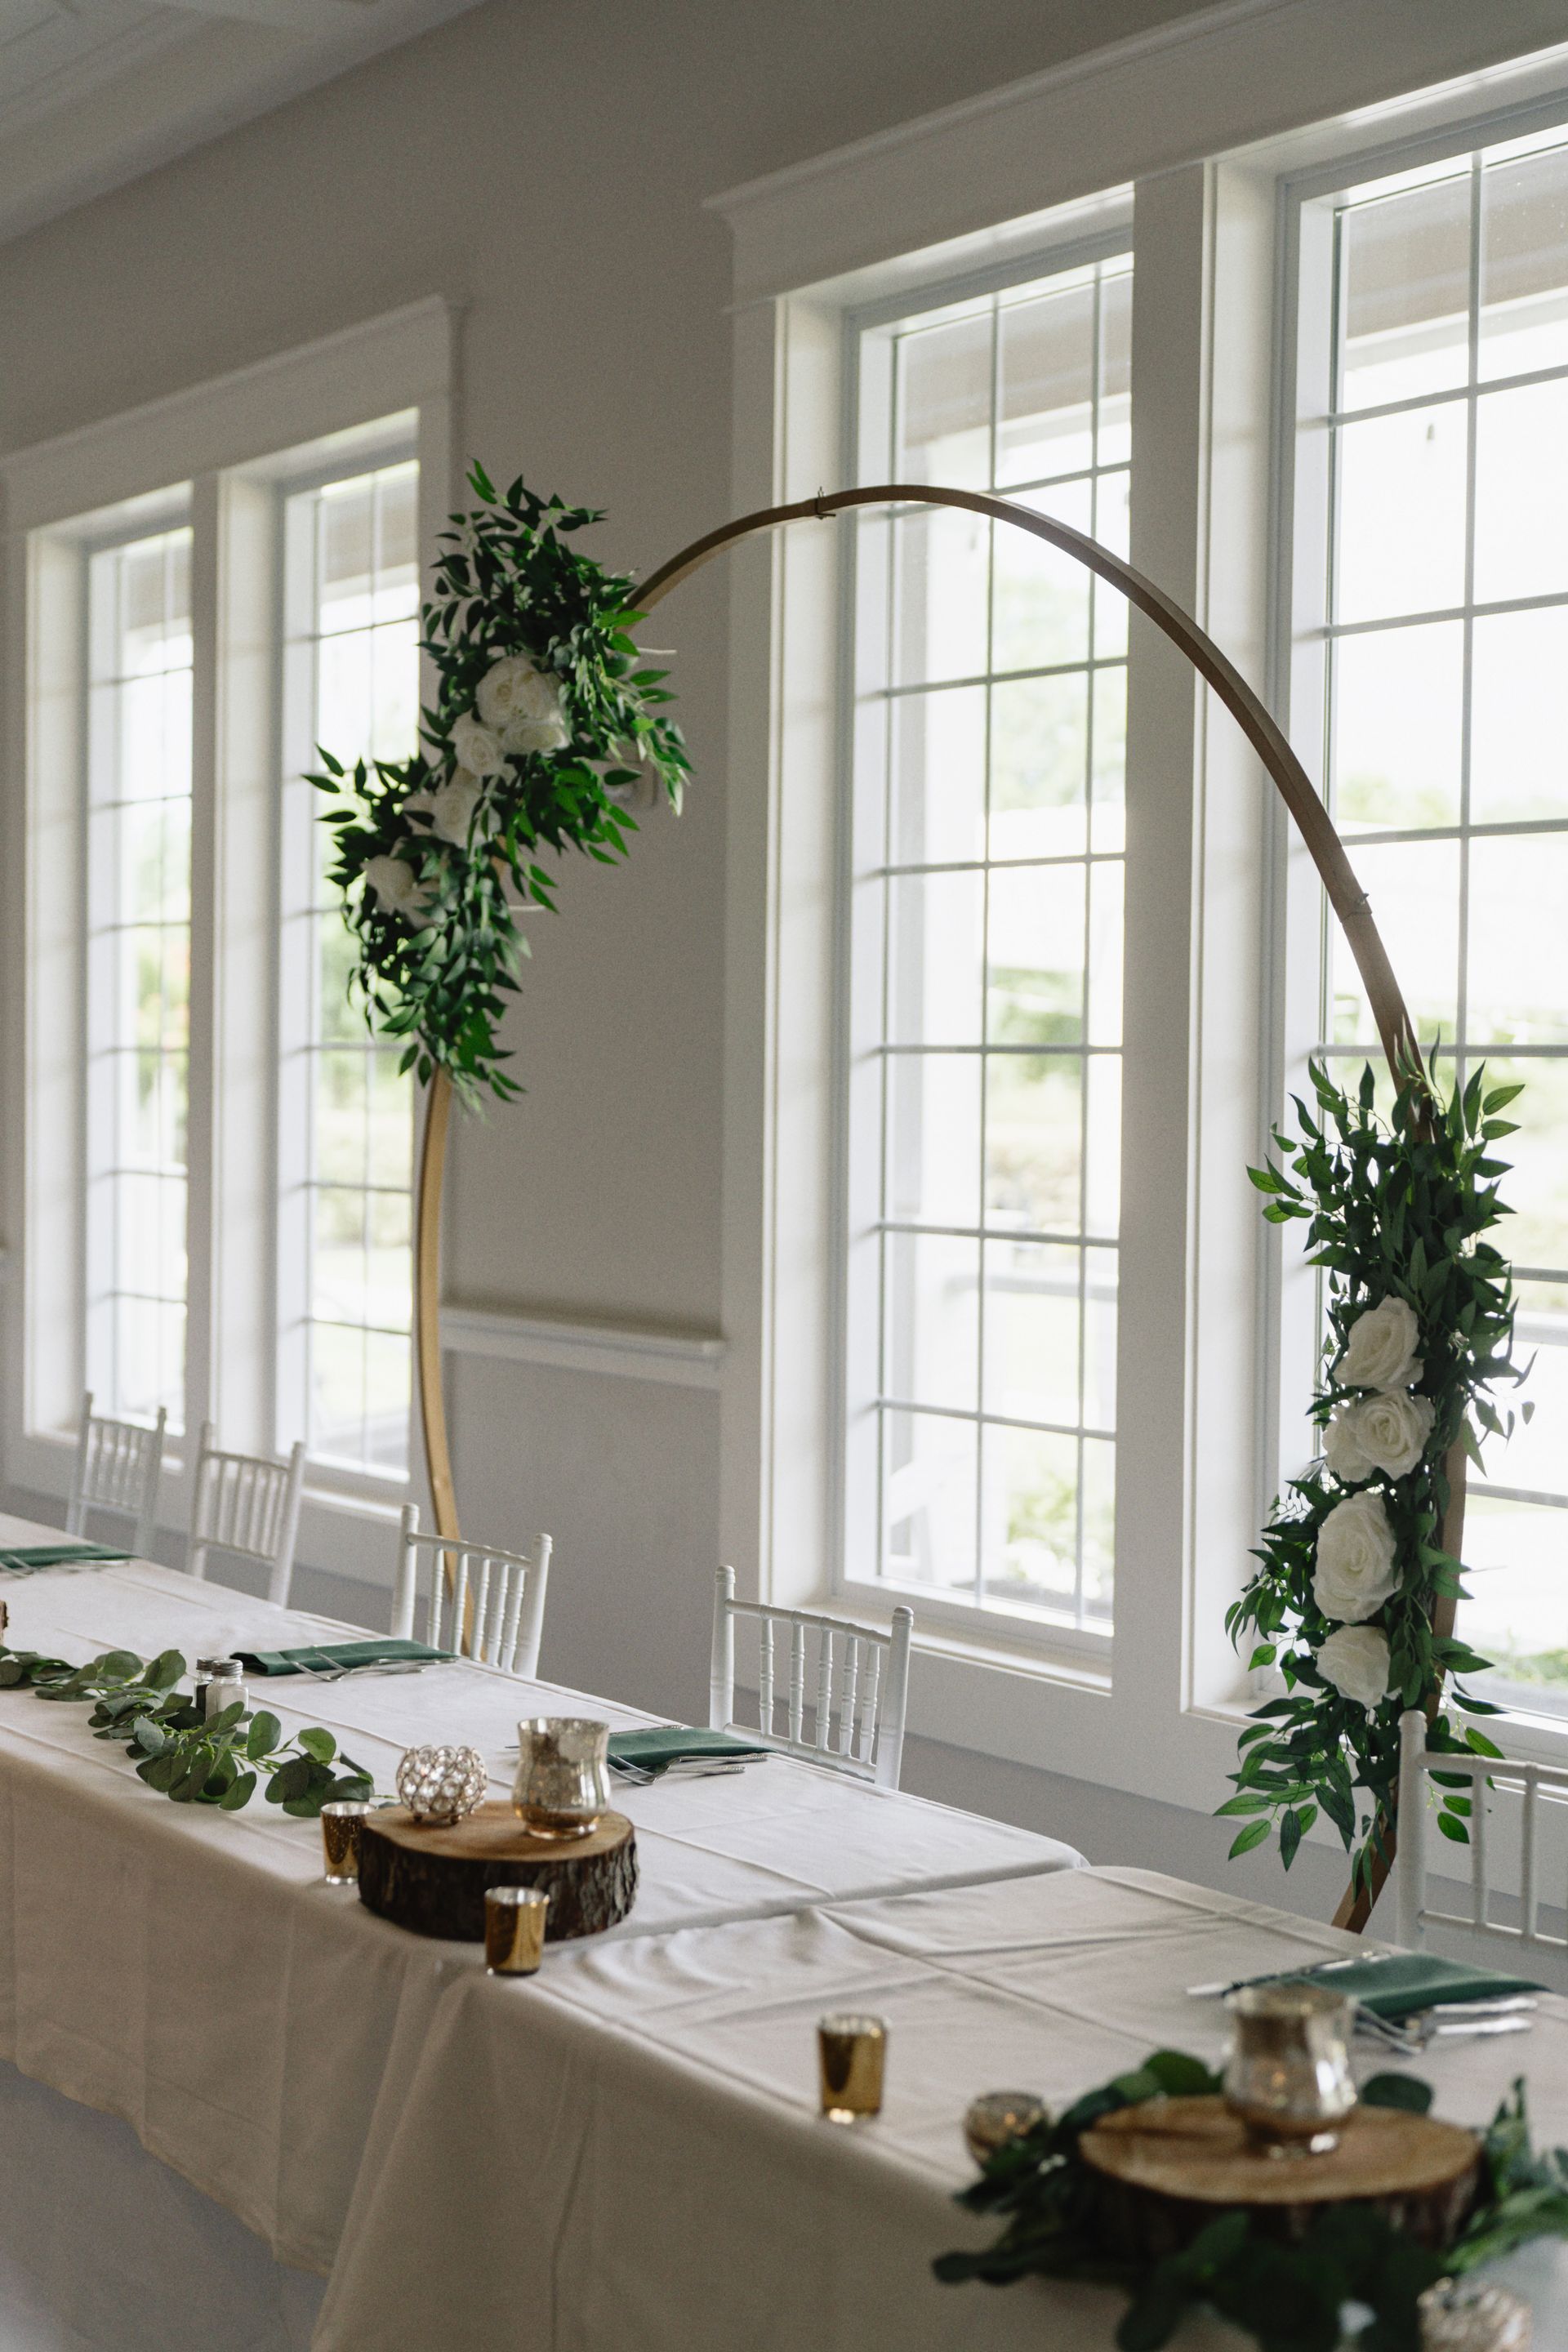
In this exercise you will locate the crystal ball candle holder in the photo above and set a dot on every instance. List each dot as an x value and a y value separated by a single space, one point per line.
441 1785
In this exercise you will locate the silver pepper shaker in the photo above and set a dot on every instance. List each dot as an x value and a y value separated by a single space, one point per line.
219 1682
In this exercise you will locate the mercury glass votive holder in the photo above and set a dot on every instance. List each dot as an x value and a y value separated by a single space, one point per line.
562 1775
514 1930
340 1841
1289 2078
998 2117
851 2053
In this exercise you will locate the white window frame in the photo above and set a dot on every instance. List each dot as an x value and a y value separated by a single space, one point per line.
1297 656
856 1211
1178 115
222 439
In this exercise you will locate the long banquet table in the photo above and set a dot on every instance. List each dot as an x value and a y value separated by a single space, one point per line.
621 2155
188 1971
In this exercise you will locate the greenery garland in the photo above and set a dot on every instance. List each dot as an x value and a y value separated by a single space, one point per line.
1420 1315
545 718
1289 2296
216 1759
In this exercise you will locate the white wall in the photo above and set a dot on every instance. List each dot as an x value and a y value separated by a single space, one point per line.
544 168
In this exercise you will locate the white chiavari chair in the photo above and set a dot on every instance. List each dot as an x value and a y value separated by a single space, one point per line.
853 1689
1526 1783
248 1507
482 1603
116 1470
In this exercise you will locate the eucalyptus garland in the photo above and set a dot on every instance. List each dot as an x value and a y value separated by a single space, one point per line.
1289 2296
217 1759
1420 1323
546 717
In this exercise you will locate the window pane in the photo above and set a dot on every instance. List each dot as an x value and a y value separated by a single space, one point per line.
929 1469
1405 261
1519 717
1402 514
944 405
1047 423
934 1319
1524 265
1521 496
1398 728
989 908
934 1130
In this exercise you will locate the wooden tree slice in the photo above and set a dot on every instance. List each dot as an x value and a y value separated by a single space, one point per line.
1165 2168
434 1880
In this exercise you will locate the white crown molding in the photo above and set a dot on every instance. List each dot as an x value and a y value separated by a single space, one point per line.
674 1358
153 93
395 361
1224 77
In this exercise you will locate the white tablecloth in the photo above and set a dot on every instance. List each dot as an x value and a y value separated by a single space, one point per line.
628 2153
189 1971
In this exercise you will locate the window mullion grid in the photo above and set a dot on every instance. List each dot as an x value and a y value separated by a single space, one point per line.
1473 343
982 1251
884 1253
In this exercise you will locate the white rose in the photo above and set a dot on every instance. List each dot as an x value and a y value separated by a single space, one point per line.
1341 1447
514 689
398 887
523 735
452 808
1355 1660
1381 1351
478 749
1391 1430
1355 1573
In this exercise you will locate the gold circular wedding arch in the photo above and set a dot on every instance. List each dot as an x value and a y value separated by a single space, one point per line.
1295 787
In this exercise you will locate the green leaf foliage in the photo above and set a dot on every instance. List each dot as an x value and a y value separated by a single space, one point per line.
217 1759
1397 1208
1287 2296
435 970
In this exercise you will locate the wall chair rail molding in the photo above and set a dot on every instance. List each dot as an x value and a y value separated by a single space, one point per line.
676 1358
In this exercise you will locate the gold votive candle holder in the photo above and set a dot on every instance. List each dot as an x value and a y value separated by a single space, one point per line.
514 1930
340 1841
851 2052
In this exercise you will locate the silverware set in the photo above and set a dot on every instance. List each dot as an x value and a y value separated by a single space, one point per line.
695 1767
1446 2021
348 1674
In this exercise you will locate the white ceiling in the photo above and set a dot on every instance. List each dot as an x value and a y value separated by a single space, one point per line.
94 91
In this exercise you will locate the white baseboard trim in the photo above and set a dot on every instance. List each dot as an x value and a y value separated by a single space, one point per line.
675 1358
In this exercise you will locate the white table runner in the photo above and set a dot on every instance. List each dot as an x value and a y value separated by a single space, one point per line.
659 2099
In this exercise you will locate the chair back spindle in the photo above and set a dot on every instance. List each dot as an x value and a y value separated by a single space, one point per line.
248 1507
116 1471
861 1684
1486 1776
482 1603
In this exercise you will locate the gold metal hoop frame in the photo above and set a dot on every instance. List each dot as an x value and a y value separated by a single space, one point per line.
1290 780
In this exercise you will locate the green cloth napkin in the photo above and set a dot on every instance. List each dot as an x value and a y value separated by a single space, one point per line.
24 1558
673 1743
382 1650
1401 1983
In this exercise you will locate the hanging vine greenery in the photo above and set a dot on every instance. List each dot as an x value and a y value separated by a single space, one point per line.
1420 1320
546 716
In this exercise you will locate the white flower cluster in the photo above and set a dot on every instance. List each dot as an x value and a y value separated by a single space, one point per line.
1386 1429
518 710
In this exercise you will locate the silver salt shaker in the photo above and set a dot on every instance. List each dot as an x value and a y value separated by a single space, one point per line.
219 1682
